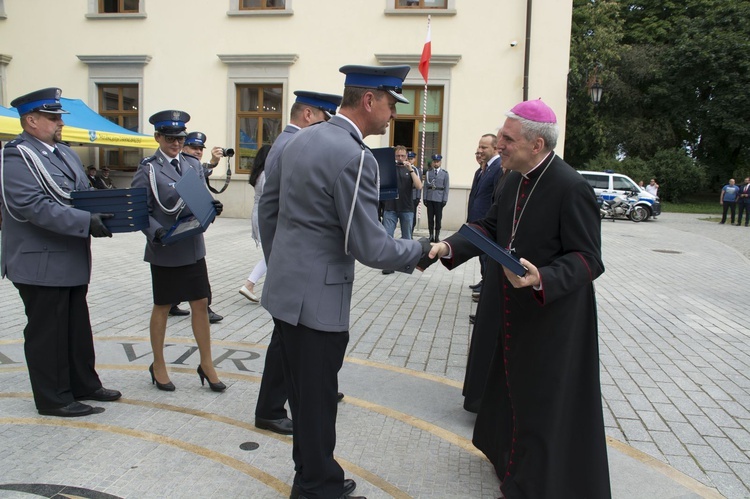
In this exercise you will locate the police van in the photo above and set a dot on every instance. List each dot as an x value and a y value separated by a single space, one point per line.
608 185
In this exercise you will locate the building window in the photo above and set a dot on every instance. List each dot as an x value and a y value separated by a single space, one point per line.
421 4
406 130
259 114
119 104
260 8
420 7
262 4
119 6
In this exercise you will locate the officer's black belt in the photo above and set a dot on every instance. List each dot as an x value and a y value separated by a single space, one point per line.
437 188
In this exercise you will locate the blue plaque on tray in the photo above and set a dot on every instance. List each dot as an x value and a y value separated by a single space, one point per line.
127 205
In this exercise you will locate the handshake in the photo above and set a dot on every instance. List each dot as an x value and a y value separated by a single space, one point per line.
425 260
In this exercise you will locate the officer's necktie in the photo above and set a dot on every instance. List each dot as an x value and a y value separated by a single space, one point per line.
176 165
59 155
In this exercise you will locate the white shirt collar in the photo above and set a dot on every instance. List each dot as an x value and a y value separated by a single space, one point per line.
352 123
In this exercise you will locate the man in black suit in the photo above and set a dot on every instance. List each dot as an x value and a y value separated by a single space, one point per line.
743 201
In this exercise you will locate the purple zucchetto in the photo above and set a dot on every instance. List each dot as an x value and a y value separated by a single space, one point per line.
535 110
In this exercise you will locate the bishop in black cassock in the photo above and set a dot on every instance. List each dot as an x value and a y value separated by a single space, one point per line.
540 421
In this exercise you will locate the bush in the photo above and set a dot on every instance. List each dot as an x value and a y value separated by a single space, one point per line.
677 174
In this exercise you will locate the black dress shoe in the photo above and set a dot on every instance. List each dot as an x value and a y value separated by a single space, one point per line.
72 410
102 395
339 397
283 426
477 286
213 317
388 271
175 310
472 318
349 486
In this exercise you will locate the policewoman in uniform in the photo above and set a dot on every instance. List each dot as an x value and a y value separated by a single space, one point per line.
46 253
436 187
178 271
311 236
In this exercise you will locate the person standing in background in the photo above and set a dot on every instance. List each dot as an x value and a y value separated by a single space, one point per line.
436 187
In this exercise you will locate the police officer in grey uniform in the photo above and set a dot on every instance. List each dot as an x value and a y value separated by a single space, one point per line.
308 109
46 253
178 271
311 236
436 187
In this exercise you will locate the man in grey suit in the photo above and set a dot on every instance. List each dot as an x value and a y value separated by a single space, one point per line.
308 109
46 253
311 236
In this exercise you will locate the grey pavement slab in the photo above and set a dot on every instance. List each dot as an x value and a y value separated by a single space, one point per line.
674 356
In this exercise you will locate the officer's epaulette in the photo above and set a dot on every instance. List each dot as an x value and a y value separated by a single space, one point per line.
15 142
148 159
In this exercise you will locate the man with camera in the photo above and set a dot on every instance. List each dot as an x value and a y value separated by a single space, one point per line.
401 209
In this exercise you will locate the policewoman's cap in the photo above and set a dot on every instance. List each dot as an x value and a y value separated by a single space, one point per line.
387 78
196 139
170 122
437 157
411 154
46 100
325 102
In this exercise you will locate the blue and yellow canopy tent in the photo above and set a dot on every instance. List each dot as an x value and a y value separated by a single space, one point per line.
83 126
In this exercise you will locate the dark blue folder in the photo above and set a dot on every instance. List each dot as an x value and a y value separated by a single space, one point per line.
493 250
194 192
386 158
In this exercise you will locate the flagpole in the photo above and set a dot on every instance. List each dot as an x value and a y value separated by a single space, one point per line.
424 67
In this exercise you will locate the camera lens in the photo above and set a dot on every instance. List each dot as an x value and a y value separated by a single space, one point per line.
228 152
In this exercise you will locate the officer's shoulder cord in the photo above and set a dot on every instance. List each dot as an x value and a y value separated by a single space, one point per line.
40 174
179 205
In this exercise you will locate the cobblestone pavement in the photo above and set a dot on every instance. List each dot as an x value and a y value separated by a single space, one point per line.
675 376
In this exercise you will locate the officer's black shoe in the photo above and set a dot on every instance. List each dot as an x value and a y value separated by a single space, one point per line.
472 318
175 310
477 286
349 486
388 271
72 410
339 397
213 317
283 426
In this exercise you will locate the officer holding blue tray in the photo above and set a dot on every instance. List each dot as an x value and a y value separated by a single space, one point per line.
46 253
178 271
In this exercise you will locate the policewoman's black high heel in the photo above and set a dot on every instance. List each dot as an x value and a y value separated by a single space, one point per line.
167 387
217 387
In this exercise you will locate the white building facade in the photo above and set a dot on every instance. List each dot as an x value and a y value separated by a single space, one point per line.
233 65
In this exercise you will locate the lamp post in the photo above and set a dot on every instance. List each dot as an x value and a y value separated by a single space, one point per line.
595 91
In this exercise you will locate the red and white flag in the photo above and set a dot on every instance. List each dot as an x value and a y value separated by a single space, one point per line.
424 61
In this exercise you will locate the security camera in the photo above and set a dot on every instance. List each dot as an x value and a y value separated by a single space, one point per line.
513 43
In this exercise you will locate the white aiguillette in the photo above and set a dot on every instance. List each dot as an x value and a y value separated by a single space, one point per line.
192 189
493 250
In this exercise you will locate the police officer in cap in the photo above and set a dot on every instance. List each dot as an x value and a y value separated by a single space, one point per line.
178 271
46 253
309 108
330 184
436 187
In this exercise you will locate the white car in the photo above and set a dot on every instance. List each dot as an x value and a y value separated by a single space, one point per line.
608 185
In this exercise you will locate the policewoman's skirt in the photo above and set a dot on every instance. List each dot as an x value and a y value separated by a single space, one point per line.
172 285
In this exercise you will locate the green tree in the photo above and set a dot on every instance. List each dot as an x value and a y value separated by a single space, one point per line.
595 47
